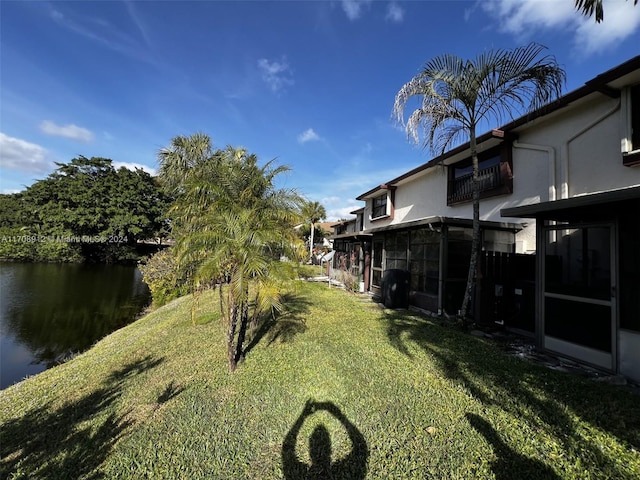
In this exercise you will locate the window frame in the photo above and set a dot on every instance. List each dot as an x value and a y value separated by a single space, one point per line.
375 208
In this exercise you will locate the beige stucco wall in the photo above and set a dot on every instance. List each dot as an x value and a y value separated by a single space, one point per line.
571 152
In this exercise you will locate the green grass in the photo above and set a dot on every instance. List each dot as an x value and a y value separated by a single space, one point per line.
155 400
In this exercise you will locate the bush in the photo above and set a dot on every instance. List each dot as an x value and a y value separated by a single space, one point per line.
165 278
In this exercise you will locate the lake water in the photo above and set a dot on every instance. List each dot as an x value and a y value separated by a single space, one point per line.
49 312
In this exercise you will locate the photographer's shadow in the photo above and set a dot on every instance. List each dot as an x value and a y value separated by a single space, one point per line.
353 466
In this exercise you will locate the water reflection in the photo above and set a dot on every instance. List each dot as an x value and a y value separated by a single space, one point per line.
51 311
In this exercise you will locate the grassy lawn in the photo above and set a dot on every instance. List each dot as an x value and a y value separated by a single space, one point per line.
387 394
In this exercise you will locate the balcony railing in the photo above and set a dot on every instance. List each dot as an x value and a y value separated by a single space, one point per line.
461 188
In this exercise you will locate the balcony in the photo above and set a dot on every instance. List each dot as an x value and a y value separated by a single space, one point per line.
461 188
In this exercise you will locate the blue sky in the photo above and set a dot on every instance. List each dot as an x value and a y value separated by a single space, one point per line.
310 83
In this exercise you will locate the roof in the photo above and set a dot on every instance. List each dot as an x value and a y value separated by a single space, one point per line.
438 220
327 226
607 83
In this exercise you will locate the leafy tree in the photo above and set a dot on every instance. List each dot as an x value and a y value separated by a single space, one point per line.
11 210
591 7
457 94
231 226
313 212
88 197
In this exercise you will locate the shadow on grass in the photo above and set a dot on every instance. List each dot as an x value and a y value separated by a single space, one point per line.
351 467
283 326
70 441
508 461
169 392
534 394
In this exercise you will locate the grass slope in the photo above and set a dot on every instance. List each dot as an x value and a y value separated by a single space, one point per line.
402 397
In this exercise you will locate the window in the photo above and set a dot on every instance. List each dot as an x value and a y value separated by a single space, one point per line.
629 275
631 151
376 264
425 261
495 175
379 206
635 117
395 246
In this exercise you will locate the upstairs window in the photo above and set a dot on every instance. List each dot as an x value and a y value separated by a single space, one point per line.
495 175
635 117
631 155
379 206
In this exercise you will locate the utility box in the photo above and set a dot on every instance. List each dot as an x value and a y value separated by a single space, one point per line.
395 288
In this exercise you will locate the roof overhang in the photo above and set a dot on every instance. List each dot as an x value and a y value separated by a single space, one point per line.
438 221
567 207
356 236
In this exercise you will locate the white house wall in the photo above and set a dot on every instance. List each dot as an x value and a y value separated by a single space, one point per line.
586 143
571 152
424 197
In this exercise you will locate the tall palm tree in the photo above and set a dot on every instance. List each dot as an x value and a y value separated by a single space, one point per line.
231 226
313 212
457 94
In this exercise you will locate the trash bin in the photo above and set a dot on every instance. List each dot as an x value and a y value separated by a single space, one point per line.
395 288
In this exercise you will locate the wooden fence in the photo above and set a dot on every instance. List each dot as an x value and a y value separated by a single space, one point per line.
505 290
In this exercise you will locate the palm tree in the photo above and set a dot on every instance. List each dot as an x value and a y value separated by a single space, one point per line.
457 94
313 212
231 226
186 156
589 7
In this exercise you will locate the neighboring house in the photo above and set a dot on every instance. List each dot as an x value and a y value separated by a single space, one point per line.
559 181
329 229
353 248
322 234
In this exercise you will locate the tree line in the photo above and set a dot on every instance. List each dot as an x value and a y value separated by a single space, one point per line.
86 210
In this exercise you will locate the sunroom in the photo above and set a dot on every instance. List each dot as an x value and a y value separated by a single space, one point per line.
434 252
588 278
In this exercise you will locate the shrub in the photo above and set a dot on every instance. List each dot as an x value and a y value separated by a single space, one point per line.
164 276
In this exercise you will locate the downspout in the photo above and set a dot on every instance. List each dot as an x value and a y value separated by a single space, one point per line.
564 188
551 153
552 163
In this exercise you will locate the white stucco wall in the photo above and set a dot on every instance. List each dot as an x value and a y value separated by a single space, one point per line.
571 152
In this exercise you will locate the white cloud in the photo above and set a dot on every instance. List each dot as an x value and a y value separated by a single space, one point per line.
308 136
110 36
23 156
522 18
132 166
353 8
338 208
68 131
395 13
277 74
57 16
620 21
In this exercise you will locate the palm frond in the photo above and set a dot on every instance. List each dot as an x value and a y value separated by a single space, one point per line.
456 94
589 7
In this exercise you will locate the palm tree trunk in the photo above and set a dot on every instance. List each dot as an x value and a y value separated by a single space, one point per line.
311 243
231 333
475 239
242 331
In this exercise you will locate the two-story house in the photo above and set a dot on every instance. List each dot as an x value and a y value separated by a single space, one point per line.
559 181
